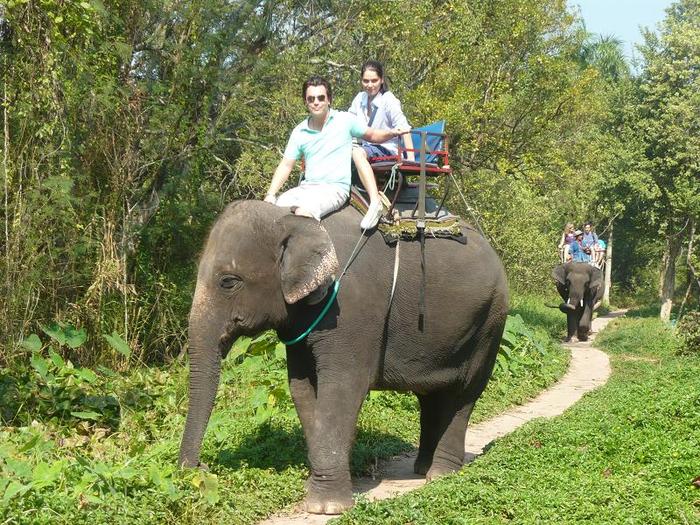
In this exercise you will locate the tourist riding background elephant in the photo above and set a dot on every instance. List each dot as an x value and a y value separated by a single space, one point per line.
581 286
257 272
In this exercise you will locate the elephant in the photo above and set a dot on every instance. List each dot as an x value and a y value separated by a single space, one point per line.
581 286
264 268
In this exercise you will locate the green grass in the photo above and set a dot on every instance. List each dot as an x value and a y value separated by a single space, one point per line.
625 453
59 467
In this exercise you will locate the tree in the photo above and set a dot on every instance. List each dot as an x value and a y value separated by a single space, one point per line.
668 121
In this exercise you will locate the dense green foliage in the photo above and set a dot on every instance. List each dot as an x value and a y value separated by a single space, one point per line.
627 453
84 446
127 126
688 330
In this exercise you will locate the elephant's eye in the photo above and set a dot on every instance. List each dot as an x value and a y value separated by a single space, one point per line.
230 282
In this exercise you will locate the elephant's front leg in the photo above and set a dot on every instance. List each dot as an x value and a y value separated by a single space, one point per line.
301 370
572 319
338 402
584 325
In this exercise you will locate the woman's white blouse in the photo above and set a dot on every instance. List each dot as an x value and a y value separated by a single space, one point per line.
387 112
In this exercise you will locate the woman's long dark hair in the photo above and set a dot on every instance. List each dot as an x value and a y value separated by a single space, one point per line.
378 68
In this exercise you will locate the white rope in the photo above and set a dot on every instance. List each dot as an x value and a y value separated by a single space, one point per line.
396 272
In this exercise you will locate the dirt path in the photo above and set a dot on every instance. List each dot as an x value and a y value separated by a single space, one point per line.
589 368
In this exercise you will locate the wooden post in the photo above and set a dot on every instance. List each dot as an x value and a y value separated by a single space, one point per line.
422 183
608 267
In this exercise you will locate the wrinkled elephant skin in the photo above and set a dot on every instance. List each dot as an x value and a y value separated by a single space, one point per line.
581 286
262 268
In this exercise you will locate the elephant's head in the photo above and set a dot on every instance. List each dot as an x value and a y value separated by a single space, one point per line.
258 261
577 283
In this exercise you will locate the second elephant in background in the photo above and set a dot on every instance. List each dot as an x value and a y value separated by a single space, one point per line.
581 286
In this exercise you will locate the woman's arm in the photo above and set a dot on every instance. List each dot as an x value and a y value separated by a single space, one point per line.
378 136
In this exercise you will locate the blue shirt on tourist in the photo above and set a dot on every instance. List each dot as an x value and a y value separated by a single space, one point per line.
590 239
577 253
327 153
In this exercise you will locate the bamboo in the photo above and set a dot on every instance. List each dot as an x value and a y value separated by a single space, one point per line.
5 153
608 267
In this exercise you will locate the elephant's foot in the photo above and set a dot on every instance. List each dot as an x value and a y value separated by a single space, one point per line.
437 471
316 505
325 497
583 336
422 465
444 464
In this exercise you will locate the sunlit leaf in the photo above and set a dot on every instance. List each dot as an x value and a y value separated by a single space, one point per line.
30 444
55 332
40 364
94 416
75 337
44 474
116 342
32 343
208 485
86 375
15 488
56 359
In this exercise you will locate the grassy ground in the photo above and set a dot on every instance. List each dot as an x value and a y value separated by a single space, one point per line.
626 453
86 447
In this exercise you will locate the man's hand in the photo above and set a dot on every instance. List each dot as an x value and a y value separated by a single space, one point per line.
400 131
270 197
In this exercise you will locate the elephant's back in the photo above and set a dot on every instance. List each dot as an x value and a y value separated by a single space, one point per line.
455 272
474 261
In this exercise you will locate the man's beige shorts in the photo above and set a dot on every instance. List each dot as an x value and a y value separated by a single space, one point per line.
317 199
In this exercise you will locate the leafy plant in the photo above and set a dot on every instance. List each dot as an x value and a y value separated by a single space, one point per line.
688 332
519 345
262 360
52 388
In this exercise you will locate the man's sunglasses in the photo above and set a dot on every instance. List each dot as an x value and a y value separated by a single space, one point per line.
310 98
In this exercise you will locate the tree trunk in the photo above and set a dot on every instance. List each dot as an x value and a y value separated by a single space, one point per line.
668 275
691 270
608 267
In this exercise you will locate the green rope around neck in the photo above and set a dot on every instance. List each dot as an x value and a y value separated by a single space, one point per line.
294 341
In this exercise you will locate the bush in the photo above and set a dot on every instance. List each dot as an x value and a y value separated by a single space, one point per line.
688 331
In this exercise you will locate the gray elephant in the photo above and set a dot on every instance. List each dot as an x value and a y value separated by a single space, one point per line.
581 286
264 268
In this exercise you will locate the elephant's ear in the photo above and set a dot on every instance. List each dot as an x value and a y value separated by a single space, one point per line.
596 282
559 274
308 258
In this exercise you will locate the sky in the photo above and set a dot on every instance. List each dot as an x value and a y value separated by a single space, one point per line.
622 18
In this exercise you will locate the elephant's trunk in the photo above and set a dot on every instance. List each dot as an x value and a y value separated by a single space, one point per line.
205 366
567 307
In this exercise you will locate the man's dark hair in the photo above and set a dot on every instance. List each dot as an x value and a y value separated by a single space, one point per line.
317 81
378 68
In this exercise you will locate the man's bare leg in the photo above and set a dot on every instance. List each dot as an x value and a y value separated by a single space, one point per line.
364 171
302 212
